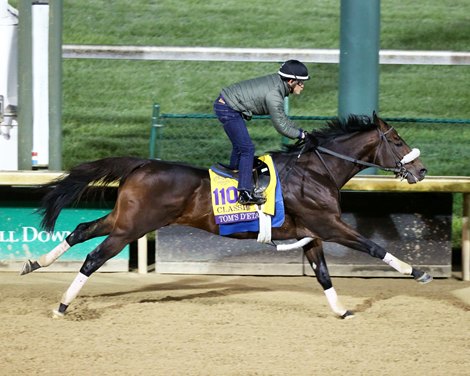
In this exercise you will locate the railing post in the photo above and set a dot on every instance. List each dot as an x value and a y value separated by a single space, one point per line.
466 237
55 85
359 60
142 261
155 133
25 85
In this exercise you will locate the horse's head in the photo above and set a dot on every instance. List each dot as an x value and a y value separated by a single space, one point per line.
393 152
363 142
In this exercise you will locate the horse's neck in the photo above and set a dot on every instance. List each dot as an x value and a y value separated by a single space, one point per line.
310 168
361 146
338 170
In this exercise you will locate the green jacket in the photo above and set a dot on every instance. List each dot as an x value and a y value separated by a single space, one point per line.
262 96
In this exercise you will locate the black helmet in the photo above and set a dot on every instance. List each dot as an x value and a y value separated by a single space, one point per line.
294 70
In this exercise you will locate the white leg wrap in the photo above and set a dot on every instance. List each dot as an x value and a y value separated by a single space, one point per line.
74 289
298 244
334 302
397 264
49 258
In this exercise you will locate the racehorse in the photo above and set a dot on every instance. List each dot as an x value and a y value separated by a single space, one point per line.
155 193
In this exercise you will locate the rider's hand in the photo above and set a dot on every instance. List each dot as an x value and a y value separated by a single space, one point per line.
309 138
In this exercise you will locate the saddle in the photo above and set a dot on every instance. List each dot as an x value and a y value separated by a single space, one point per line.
233 217
261 174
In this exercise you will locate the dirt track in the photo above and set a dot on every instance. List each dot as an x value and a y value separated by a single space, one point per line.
129 324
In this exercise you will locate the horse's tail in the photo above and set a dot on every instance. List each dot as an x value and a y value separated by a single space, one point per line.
69 188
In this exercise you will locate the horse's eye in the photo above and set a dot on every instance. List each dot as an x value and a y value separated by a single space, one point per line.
396 140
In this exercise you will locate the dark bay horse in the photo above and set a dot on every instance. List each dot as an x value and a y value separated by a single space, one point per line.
154 193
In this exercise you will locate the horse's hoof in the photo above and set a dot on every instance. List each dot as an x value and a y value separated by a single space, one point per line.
347 315
29 266
424 278
57 315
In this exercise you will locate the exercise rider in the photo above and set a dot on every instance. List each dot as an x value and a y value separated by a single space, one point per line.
258 96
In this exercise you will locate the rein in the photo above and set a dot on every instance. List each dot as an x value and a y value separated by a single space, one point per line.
396 170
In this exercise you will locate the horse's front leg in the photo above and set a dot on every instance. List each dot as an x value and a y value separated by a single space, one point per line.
315 256
400 266
343 234
83 232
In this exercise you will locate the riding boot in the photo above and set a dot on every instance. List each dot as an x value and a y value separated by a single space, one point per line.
246 197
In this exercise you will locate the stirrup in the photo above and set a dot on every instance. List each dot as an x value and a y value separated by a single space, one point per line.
246 197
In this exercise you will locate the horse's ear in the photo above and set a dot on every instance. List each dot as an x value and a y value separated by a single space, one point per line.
375 118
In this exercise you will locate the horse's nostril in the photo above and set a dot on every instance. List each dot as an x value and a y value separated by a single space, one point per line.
423 172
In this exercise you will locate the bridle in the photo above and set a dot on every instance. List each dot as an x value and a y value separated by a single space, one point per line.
399 170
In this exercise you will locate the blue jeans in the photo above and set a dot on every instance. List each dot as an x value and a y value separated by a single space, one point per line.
243 149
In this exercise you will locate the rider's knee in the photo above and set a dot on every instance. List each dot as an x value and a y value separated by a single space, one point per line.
248 149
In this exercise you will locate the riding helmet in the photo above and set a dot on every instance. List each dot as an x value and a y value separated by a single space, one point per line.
295 70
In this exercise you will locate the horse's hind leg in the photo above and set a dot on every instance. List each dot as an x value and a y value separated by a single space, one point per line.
109 248
83 232
315 256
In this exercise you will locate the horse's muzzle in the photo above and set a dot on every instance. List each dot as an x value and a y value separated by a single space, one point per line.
412 178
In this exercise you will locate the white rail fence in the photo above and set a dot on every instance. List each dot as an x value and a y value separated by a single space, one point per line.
256 54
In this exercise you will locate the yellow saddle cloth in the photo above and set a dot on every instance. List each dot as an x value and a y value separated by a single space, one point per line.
225 195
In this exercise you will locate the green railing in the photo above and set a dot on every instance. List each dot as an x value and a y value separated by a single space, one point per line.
199 139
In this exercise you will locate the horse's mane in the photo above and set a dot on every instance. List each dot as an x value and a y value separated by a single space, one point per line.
333 129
